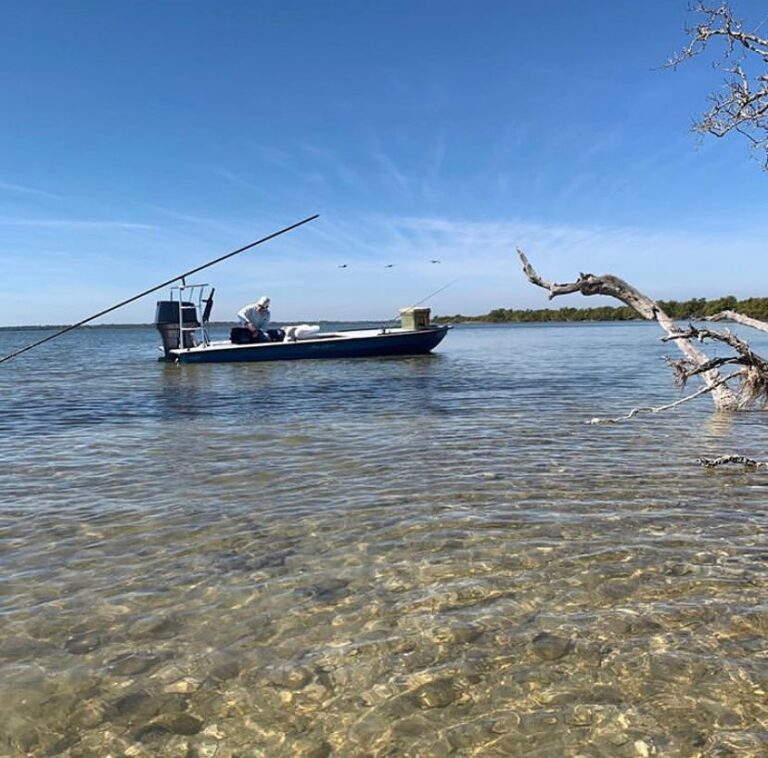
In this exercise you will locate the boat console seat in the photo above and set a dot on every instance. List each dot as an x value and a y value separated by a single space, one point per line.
241 335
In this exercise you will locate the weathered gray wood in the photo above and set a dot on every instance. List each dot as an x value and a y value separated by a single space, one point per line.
739 318
696 361
659 408
748 463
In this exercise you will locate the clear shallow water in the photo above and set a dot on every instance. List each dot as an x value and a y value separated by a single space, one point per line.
393 557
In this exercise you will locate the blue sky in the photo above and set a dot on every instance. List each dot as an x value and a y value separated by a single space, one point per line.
138 140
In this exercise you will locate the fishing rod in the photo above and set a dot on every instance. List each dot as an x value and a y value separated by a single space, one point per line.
424 300
159 286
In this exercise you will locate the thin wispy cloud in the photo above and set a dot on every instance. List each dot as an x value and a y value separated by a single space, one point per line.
435 158
338 166
391 173
578 183
187 218
32 191
287 163
60 223
436 153
236 179
568 248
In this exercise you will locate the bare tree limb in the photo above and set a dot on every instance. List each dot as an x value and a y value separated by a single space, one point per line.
754 375
739 318
588 284
748 463
658 409
743 106
719 23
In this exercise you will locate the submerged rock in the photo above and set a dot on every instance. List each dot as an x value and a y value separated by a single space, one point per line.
155 627
149 732
438 694
132 703
550 647
132 664
180 723
327 591
79 644
308 749
20 734
135 707
289 677
16 647
184 686
224 671
275 559
459 634
169 723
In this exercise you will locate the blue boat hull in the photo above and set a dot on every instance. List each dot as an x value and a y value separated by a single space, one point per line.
371 345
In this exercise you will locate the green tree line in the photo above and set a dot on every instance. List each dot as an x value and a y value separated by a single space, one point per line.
697 307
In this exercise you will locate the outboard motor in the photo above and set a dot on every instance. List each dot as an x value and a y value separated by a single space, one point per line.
167 323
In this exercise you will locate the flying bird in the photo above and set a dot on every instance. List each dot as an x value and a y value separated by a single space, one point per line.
343 265
389 265
434 261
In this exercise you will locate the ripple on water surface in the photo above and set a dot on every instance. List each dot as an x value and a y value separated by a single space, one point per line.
418 557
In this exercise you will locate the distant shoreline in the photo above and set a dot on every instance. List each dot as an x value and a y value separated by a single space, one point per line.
696 308
369 323
214 324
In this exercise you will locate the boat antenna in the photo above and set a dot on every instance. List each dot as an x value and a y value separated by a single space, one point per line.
157 287
428 297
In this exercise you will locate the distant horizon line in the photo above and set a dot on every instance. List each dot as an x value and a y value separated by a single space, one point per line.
129 324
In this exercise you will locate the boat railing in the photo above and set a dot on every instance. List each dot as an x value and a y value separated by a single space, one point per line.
195 302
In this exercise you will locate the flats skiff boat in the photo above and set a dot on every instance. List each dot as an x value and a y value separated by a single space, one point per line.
183 319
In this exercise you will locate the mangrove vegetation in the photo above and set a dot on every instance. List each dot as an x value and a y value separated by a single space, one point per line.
695 308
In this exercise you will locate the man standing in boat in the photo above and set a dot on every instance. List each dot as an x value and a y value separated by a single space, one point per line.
256 317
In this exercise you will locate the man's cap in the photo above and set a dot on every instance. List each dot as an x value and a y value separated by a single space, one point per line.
263 300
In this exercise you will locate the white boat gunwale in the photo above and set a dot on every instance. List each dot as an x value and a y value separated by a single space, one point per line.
319 338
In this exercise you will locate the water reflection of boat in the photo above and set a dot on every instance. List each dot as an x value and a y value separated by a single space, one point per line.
183 320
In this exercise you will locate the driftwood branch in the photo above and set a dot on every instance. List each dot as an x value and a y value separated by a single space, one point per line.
753 376
739 318
748 463
659 408
588 284
723 396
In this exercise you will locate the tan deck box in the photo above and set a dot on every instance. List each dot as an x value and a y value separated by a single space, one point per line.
414 318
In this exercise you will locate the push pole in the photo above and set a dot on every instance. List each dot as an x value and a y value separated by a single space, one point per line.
159 286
